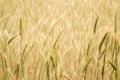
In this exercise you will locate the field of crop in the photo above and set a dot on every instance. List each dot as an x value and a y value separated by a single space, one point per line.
59 39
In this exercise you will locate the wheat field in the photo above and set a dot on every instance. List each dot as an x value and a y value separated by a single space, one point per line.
59 40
